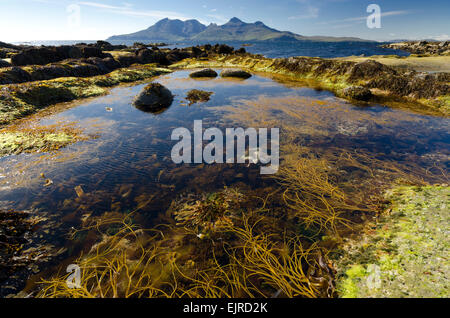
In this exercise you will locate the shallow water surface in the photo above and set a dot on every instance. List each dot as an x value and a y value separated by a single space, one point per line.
129 167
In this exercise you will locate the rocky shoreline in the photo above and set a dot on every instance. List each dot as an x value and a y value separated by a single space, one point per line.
421 47
38 77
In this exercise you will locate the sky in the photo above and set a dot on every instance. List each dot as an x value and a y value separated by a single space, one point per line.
35 20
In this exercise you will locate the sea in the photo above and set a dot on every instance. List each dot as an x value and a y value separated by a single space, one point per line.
277 49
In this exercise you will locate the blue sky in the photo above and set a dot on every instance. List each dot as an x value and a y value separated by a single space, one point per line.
27 20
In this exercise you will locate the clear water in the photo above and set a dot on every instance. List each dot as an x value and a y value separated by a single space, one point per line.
129 167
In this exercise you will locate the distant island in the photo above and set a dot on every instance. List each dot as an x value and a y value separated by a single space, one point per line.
168 30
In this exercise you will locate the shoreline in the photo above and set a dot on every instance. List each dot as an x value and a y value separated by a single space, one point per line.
342 77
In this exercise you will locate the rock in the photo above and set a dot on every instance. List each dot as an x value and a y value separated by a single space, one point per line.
195 96
207 72
35 56
369 69
154 98
111 63
357 93
127 60
224 49
12 75
48 72
241 51
88 51
3 63
236 73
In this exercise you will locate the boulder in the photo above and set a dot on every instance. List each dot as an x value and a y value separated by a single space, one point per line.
50 71
369 69
3 63
236 73
89 51
207 72
224 49
12 75
153 98
127 60
35 56
357 93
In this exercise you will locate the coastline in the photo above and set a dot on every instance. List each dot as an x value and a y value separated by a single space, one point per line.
382 83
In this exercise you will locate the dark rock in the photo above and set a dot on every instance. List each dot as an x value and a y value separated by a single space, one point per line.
358 93
68 52
3 63
196 96
88 51
127 60
241 51
35 56
84 69
236 73
48 72
207 72
111 63
12 75
369 69
154 98
225 49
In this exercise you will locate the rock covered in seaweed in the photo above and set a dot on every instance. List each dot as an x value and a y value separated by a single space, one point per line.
3 63
207 72
357 93
236 73
194 96
153 98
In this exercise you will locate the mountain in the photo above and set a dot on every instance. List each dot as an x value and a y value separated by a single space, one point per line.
235 30
165 30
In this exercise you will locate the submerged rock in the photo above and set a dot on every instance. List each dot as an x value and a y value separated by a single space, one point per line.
195 96
236 73
153 98
357 93
207 72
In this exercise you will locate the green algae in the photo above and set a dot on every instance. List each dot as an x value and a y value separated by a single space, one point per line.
20 100
405 254
18 140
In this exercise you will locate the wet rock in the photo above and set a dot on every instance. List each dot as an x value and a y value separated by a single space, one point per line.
12 75
37 56
195 96
358 93
4 64
111 63
236 73
48 72
178 55
369 69
153 98
127 60
92 52
207 72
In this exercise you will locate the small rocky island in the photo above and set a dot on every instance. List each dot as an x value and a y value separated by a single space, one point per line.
422 47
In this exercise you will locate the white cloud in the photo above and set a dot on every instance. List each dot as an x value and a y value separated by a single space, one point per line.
311 13
128 9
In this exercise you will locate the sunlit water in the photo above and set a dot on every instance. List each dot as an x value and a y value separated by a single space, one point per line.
129 167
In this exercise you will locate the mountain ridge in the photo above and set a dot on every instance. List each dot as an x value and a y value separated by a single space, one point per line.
167 30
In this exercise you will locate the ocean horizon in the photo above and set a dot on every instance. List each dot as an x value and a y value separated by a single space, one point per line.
270 49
